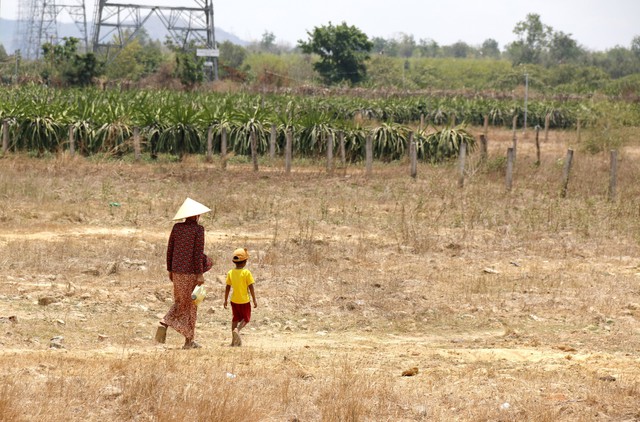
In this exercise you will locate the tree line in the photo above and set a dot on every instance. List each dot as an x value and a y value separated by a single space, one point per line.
343 55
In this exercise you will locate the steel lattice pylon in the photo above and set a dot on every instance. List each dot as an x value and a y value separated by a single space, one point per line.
38 24
117 24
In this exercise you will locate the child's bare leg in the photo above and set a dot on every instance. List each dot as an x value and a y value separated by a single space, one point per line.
235 334
241 324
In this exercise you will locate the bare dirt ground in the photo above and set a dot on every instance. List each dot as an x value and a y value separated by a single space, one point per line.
519 306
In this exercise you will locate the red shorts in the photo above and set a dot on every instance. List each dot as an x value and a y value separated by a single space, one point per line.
241 311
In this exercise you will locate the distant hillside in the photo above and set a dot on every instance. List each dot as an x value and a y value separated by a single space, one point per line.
154 27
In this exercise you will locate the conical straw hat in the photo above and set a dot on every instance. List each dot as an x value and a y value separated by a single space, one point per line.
189 208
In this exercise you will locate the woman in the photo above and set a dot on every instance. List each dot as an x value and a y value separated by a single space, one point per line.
186 263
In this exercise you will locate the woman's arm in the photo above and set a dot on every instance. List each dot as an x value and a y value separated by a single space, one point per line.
170 246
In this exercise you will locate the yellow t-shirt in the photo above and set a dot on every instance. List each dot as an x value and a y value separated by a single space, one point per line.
240 279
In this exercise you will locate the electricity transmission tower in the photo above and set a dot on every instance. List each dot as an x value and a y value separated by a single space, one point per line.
117 24
38 23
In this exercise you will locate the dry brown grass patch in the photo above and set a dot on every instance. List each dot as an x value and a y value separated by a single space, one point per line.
523 298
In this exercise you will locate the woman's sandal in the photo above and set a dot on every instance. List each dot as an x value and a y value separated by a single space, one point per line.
161 334
192 345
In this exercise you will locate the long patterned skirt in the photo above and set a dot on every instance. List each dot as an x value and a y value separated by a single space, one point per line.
183 314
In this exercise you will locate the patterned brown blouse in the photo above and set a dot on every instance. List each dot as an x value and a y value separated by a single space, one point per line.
185 252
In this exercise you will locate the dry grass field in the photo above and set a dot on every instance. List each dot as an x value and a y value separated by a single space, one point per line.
513 306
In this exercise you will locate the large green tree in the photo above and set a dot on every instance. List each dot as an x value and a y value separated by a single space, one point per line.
232 61
140 57
563 49
490 49
189 67
232 55
64 63
459 50
533 39
268 41
635 46
618 62
402 45
379 45
343 51
428 48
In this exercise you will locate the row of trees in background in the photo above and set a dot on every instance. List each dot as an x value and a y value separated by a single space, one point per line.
536 43
342 54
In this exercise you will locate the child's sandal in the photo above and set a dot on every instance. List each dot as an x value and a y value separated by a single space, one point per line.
236 340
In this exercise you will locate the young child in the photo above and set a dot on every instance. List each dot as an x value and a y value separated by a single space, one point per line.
241 280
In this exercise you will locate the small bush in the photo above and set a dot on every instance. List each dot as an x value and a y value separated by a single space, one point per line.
496 165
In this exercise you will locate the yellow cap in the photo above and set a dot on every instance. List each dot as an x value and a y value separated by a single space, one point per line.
240 254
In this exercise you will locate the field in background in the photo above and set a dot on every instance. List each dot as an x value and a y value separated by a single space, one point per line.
512 306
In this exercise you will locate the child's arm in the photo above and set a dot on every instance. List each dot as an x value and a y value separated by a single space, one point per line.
227 289
253 295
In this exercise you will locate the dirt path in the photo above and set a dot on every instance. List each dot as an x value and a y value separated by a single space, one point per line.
395 349
51 235
389 352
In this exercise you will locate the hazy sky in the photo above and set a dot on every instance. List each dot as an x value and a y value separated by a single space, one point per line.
594 24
